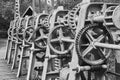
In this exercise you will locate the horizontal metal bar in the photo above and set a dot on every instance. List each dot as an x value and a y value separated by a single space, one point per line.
113 73
87 68
106 45
98 18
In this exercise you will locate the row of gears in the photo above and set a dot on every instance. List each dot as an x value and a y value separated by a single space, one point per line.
55 42
91 42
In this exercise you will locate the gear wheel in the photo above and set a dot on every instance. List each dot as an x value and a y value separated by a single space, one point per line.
85 47
10 29
28 34
20 30
109 16
10 32
73 16
14 28
112 17
29 30
41 32
14 32
40 38
61 39
20 33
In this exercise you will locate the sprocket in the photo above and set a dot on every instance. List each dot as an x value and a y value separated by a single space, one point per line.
85 47
73 16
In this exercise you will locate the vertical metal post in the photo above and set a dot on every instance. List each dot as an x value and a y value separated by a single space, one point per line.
23 51
8 42
31 63
33 4
7 48
14 64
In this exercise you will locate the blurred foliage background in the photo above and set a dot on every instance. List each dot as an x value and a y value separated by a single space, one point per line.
7 11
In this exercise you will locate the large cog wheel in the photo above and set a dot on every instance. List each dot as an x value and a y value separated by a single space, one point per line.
85 47
61 39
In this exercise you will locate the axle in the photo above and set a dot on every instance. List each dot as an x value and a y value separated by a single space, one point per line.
99 18
87 68
105 45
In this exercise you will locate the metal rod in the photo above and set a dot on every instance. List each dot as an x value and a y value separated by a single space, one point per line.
106 45
8 47
113 73
87 68
98 18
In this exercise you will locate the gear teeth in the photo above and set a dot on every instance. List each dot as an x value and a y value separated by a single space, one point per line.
108 16
80 36
56 64
72 15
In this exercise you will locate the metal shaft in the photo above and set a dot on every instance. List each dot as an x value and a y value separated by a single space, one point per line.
98 18
105 45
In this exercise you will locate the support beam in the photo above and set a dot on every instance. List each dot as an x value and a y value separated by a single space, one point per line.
14 64
7 48
31 65
99 18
